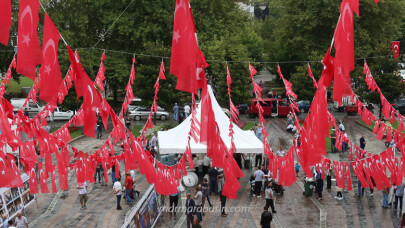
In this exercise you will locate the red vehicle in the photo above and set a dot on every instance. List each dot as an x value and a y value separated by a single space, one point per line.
271 107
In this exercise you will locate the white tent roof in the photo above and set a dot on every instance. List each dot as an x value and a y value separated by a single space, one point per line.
175 140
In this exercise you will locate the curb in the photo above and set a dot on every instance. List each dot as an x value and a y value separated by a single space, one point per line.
77 138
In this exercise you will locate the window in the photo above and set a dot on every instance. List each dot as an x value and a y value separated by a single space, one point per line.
282 103
32 105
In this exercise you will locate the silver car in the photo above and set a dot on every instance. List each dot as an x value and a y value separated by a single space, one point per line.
137 113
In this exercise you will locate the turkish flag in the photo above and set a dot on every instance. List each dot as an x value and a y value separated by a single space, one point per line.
29 49
5 21
54 188
33 179
344 46
185 51
327 73
42 178
100 75
50 77
77 73
162 71
395 49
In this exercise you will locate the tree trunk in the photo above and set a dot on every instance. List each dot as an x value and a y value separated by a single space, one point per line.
115 97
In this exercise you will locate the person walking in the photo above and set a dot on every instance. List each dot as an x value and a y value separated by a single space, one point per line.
258 159
174 200
266 218
128 123
21 221
175 111
190 205
362 142
258 175
128 188
269 194
204 190
82 194
297 168
222 197
328 173
399 195
319 184
114 179
117 189
98 172
385 193
258 132
213 175
198 202
187 110
99 127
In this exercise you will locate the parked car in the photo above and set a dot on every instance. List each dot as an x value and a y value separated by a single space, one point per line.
60 114
271 107
402 74
32 108
400 106
143 112
243 108
304 106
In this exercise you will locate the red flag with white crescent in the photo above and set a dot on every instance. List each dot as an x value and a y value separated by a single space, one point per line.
395 49
29 49
5 21
51 77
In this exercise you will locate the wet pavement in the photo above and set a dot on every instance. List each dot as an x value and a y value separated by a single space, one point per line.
293 208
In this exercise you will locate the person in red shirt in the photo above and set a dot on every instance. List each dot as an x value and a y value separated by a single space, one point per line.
128 188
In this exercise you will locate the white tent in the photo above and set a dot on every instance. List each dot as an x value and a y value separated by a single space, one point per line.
175 140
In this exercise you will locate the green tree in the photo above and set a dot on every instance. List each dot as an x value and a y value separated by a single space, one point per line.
303 30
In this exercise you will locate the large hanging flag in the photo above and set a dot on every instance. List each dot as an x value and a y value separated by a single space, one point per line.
187 61
29 49
5 21
344 46
50 77
395 49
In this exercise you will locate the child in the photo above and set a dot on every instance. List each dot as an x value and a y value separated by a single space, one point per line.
339 195
297 168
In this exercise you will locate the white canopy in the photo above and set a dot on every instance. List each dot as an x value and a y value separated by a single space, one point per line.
175 140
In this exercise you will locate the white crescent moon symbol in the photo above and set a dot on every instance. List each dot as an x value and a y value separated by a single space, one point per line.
41 173
345 9
32 171
4 164
27 10
52 44
91 92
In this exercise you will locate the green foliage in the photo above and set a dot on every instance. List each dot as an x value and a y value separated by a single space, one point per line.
303 30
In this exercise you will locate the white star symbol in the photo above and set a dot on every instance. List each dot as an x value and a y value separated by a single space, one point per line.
3 173
26 39
43 181
176 36
47 69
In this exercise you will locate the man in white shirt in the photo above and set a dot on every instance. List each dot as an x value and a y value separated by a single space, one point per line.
187 110
153 141
206 165
82 194
117 189
281 152
341 126
21 221
258 181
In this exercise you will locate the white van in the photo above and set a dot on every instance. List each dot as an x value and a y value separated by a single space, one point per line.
32 108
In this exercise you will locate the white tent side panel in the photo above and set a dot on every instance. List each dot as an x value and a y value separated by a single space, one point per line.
175 140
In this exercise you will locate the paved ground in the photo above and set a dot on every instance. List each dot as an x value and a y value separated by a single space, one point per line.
294 209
